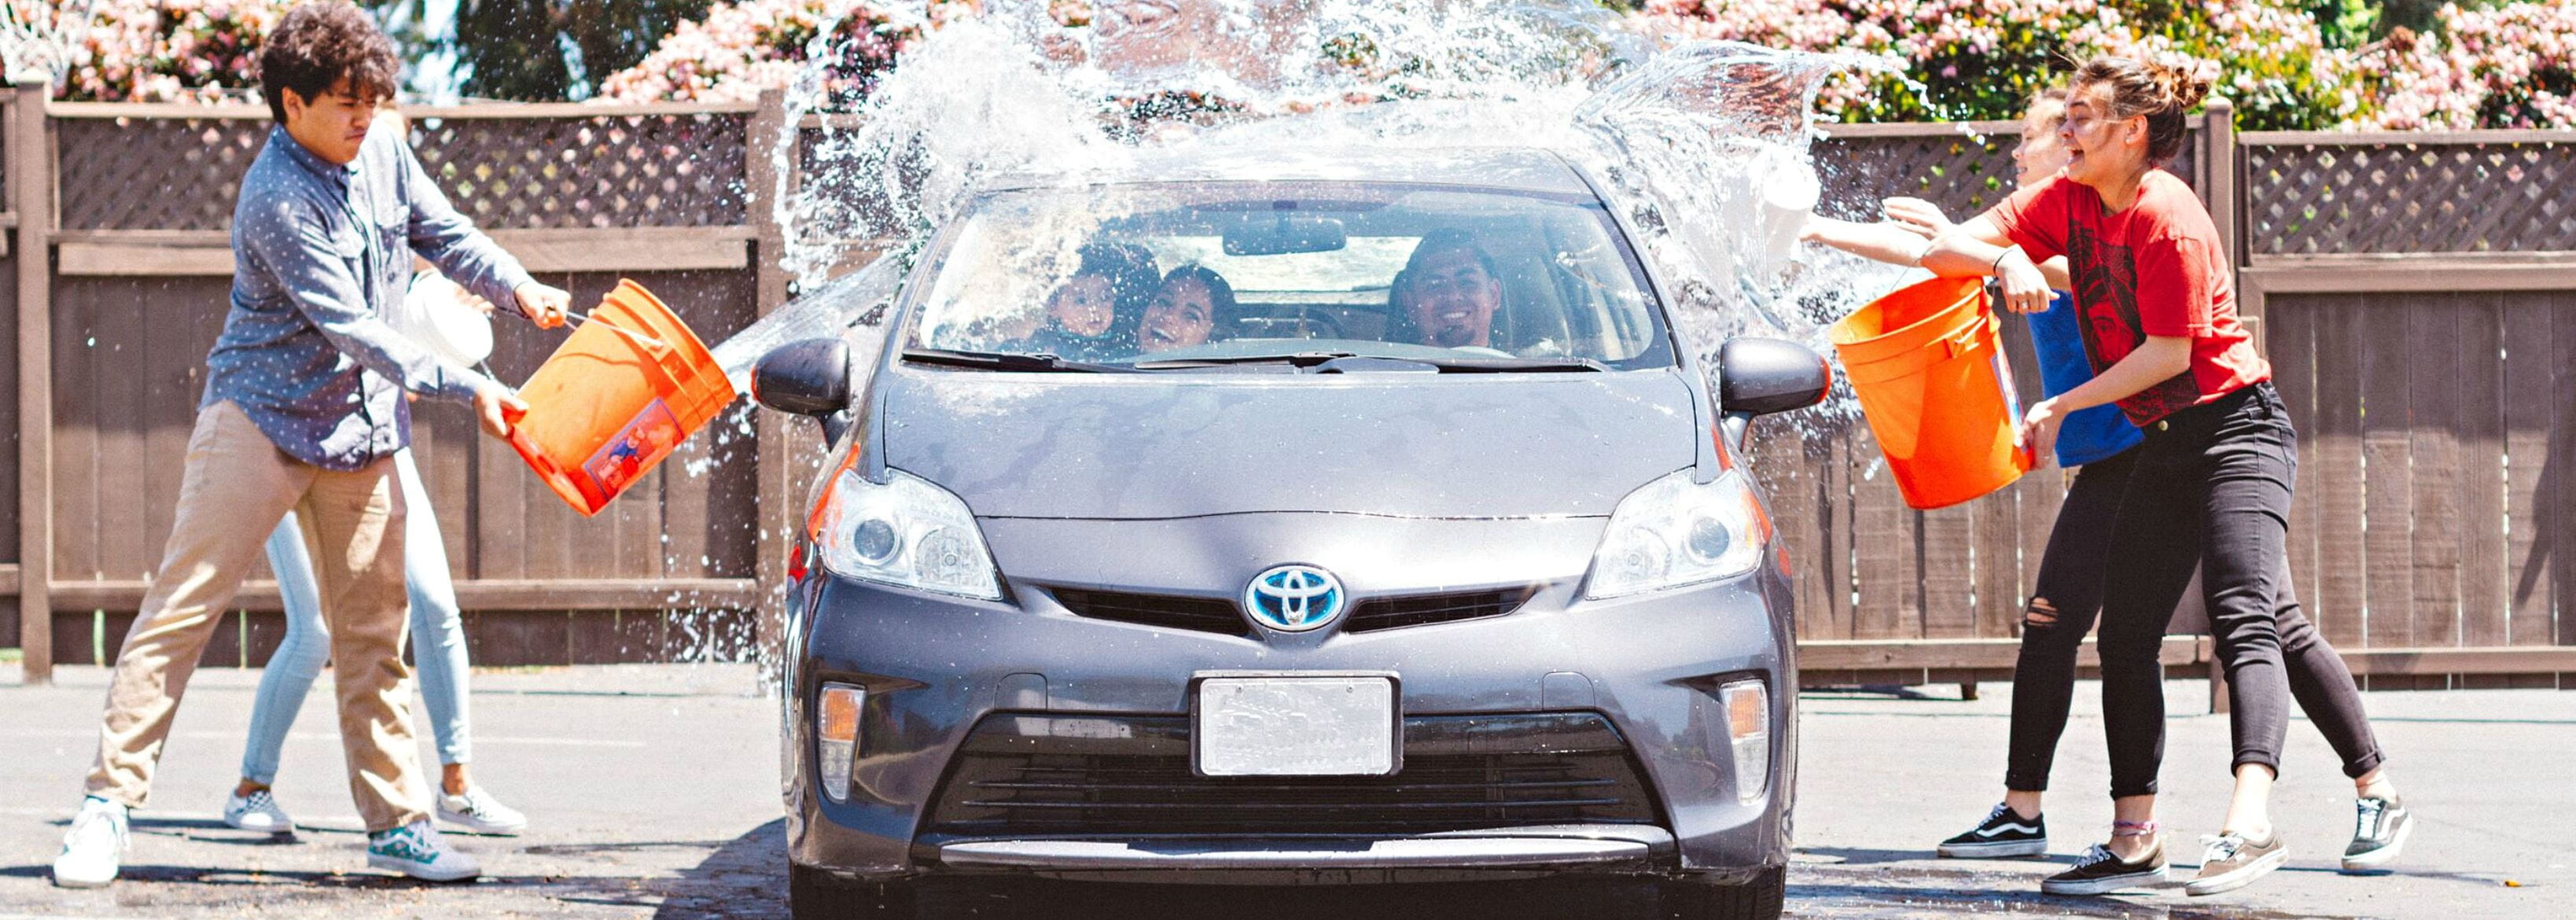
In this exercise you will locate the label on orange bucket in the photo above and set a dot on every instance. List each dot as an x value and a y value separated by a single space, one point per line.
644 441
2022 453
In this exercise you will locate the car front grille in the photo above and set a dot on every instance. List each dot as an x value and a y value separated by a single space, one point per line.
1205 614
1425 609
1208 614
1019 776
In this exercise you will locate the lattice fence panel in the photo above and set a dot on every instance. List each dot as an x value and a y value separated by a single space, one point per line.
1965 174
2310 199
154 173
615 171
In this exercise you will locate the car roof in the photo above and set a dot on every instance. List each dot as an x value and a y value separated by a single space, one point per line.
1517 168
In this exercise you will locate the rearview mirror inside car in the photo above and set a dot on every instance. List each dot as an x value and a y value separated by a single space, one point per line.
1285 234
805 377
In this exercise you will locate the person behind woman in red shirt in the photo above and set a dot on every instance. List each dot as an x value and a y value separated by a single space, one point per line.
2155 293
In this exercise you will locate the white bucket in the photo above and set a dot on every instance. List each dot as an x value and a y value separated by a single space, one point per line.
439 315
1788 192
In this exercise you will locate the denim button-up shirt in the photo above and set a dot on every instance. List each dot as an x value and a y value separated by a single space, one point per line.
319 251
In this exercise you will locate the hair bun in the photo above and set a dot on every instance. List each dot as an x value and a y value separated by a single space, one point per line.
2182 88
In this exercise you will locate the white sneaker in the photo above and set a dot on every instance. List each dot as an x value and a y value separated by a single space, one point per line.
479 812
418 851
94 847
257 811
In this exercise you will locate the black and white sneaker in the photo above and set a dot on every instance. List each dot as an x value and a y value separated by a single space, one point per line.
2379 829
2004 834
257 811
2100 872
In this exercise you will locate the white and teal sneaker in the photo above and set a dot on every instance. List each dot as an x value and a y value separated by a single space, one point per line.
479 812
257 811
94 848
418 851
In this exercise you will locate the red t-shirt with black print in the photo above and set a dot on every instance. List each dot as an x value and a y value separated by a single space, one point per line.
2157 268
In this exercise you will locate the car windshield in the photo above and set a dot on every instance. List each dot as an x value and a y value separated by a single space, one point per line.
1166 276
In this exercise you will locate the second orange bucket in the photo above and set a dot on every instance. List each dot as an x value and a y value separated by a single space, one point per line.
1931 376
624 389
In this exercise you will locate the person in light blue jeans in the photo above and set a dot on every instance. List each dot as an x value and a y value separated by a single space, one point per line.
438 655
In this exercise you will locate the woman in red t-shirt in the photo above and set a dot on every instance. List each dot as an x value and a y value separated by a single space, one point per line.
2155 290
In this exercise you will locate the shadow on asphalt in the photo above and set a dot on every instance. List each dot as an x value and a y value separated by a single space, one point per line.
1912 901
1853 856
222 877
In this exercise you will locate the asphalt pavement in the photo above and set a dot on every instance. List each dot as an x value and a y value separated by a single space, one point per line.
652 792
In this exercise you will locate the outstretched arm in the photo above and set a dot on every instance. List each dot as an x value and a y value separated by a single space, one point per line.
1883 242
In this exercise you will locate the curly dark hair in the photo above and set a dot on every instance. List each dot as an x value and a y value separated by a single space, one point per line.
318 45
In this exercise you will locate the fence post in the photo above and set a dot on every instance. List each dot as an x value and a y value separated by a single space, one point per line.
31 187
2226 197
762 139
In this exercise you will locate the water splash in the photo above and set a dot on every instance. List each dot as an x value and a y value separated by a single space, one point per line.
1702 146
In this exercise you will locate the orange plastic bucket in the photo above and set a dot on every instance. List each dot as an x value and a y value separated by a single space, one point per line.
1932 379
626 387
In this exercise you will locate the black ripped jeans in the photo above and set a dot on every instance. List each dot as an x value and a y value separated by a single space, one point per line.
2075 571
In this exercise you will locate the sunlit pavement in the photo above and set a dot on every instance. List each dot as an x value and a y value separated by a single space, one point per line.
652 794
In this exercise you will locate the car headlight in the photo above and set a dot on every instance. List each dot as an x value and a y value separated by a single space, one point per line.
907 533
1674 532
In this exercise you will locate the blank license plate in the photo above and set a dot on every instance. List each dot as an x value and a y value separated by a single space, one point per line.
1296 726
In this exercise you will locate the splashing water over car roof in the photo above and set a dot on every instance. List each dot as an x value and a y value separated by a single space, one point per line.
1693 142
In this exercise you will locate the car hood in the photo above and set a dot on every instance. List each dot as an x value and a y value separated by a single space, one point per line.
1137 446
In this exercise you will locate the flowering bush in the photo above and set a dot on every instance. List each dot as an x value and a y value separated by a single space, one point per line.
742 48
172 51
1973 59
2523 56
2508 67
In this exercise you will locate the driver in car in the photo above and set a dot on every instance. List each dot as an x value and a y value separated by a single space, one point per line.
1448 292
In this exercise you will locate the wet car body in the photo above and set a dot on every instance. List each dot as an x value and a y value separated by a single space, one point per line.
1054 728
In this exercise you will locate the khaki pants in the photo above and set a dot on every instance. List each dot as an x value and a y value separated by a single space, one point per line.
236 488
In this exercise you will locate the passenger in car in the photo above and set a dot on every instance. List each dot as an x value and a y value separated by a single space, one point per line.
1186 311
1094 314
1447 293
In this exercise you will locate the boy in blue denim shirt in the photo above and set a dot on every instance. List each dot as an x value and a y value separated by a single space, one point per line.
303 411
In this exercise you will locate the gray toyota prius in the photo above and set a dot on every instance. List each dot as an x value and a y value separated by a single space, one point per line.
1343 518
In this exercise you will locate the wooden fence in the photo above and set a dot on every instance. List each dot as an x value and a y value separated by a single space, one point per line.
2417 292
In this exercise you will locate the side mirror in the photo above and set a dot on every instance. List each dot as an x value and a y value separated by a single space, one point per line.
807 377
1757 376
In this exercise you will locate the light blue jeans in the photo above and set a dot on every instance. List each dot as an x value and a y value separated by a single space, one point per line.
437 635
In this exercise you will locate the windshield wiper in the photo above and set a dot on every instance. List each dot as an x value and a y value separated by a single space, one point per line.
1007 361
1295 359
1318 359
1511 365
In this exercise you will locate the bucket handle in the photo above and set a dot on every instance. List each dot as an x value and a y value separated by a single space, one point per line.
1968 338
640 338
